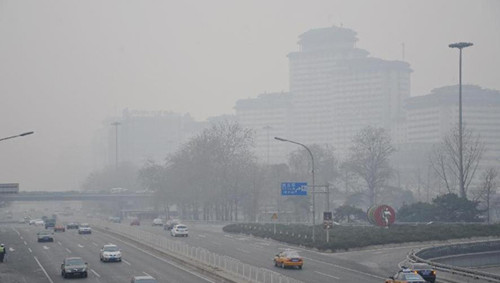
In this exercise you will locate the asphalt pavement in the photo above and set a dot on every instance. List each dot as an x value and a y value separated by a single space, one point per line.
30 261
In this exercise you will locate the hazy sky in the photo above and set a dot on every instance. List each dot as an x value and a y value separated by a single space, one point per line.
65 66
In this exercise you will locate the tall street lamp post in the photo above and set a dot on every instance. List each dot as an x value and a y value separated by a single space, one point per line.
460 46
16 136
313 187
116 124
267 128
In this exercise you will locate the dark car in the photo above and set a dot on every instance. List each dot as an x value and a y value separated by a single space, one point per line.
135 222
405 276
72 225
50 223
425 270
170 224
74 266
45 236
143 279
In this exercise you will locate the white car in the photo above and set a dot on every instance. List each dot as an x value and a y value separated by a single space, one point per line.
110 252
179 230
157 222
84 228
37 222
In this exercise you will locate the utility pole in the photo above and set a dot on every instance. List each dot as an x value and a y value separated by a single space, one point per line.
116 124
460 46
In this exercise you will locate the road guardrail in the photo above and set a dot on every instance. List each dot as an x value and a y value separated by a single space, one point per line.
463 271
231 266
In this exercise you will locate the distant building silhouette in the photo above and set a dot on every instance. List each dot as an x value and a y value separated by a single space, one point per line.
335 91
150 135
432 116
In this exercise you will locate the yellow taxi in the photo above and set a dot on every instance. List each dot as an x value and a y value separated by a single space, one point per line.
288 258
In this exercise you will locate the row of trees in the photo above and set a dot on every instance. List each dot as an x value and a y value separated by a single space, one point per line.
215 175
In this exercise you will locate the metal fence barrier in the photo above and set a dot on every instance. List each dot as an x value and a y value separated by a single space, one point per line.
417 256
237 269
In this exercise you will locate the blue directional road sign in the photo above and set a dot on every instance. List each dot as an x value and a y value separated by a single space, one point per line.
294 189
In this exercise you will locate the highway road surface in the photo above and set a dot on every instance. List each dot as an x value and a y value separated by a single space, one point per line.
29 261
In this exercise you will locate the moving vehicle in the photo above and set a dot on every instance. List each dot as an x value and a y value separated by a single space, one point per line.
50 223
59 228
405 276
115 219
143 279
37 222
72 225
45 236
179 230
110 252
157 222
84 228
424 270
288 258
74 266
170 224
135 222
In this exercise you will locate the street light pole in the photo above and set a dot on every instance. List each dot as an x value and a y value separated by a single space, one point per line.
16 136
267 128
116 124
460 46
313 187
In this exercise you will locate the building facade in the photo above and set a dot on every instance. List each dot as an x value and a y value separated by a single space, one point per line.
268 116
335 91
431 117
149 135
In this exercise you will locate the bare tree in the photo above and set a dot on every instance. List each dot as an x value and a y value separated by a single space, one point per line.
487 189
369 158
445 159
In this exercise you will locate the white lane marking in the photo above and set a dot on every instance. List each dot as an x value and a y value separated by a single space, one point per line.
126 262
324 274
11 249
80 246
243 251
202 236
95 244
22 238
30 250
45 247
44 271
25 243
146 274
228 236
346 268
59 243
166 261
68 250
96 274
15 230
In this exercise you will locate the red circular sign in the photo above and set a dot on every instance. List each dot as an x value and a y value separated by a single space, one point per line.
381 215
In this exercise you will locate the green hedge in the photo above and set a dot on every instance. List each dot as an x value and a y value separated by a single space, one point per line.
348 237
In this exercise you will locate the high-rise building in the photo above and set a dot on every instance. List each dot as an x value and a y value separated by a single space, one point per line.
432 116
268 116
335 91
150 135
338 90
